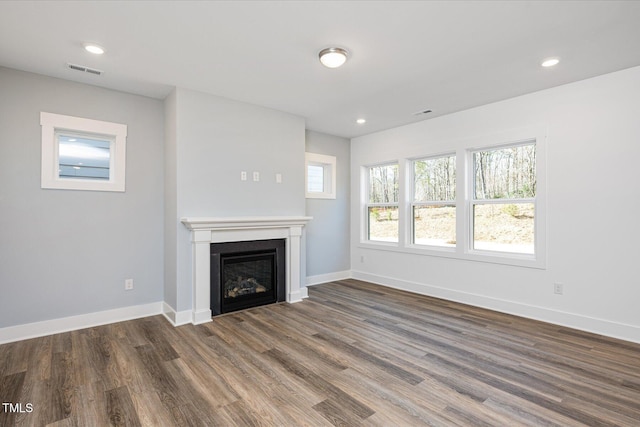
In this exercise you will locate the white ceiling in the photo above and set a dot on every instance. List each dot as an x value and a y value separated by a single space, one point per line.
405 56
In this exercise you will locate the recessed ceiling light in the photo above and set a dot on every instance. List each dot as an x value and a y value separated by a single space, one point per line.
361 121
550 62
333 57
93 48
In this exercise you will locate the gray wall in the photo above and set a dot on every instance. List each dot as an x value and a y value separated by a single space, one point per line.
216 139
328 235
65 252
170 200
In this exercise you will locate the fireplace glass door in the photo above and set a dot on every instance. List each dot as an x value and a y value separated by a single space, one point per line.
246 274
248 280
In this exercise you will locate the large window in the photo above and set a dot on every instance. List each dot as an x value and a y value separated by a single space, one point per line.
482 201
382 205
433 209
503 205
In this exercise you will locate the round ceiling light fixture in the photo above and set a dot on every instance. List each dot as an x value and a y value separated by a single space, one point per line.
361 121
550 62
333 57
93 48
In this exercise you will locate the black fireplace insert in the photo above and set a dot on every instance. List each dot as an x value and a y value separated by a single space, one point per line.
247 274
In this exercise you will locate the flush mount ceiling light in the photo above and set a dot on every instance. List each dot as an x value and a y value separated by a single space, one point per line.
333 57
93 48
550 62
361 121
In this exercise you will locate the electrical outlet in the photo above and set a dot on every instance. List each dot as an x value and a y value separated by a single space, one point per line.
243 175
256 176
557 288
128 284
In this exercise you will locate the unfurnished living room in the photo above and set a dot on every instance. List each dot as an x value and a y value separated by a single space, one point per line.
316 213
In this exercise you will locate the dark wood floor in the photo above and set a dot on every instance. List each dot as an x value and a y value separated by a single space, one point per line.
352 354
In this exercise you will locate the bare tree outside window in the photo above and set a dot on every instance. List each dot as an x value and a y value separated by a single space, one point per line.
383 184
504 199
434 198
382 208
507 173
435 179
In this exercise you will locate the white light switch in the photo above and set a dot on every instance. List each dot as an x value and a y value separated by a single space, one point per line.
279 178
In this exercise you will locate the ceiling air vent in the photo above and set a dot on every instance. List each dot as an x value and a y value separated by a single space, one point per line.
84 69
418 113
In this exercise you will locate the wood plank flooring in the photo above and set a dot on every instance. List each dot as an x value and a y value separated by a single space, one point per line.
352 354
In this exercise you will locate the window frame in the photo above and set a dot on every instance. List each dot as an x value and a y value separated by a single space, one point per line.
473 201
464 172
116 133
328 165
413 203
368 204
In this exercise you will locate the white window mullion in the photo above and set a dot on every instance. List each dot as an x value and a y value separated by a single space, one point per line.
463 192
403 189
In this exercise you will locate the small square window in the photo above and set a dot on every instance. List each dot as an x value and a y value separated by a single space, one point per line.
315 179
320 178
82 154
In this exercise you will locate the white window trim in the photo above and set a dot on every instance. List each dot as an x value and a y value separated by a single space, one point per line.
328 165
412 203
50 178
365 229
536 133
538 259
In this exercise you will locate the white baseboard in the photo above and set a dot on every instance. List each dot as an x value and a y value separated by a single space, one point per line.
298 296
176 318
571 320
72 323
576 321
329 277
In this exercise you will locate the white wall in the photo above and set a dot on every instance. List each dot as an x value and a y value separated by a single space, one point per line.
67 252
327 236
216 139
592 226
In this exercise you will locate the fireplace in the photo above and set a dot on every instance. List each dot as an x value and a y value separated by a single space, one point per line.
207 230
247 274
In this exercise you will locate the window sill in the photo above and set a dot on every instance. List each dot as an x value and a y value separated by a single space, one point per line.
518 260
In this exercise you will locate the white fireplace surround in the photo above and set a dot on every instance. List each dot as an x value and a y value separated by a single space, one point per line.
205 231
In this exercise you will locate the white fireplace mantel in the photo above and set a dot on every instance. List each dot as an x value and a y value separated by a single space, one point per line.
207 230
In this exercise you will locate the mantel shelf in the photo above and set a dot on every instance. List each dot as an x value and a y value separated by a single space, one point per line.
226 223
